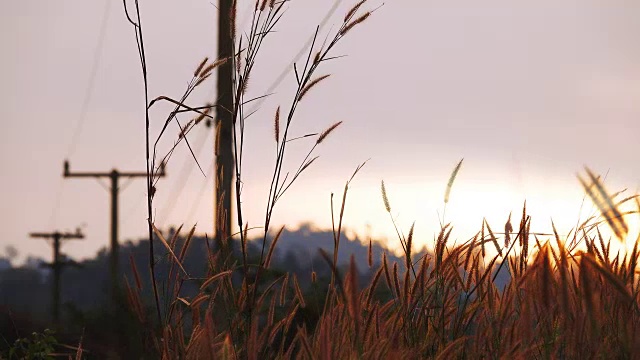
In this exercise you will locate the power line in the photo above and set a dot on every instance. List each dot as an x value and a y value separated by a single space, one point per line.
184 175
88 94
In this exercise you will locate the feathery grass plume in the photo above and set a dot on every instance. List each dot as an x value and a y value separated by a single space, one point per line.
298 291
605 204
482 240
396 280
314 277
267 262
385 266
203 114
523 224
369 321
272 311
207 70
185 129
374 284
385 199
136 275
227 352
263 5
244 83
493 238
326 133
201 80
311 84
370 255
353 10
507 231
353 300
276 125
470 252
187 243
409 243
283 289
406 285
200 66
452 178
355 22
272 3
218 131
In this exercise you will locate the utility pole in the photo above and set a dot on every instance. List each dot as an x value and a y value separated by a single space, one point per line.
114 175
224 128
56 265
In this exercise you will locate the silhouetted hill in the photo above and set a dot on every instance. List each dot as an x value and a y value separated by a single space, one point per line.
26 290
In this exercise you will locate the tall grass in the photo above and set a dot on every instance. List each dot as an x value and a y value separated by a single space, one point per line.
564 300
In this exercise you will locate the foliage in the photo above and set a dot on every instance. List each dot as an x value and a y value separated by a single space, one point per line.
39 346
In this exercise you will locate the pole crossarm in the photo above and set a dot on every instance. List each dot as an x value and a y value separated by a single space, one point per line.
53 235
68 173
114 175
57 264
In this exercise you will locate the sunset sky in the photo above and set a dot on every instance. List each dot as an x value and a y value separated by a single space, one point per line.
527 92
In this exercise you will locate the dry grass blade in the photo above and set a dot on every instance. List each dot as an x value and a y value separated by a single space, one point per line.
452 178
199 300
215 277
272 247
326 133
166 245
276 125
310 85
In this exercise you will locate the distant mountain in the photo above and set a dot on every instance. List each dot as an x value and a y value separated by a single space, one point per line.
27 289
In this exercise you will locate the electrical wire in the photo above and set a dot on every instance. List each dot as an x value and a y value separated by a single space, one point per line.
83 108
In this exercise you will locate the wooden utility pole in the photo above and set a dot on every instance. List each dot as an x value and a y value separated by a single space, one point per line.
224 128
114 175
56 265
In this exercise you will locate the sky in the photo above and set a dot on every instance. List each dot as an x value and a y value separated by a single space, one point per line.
528 93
